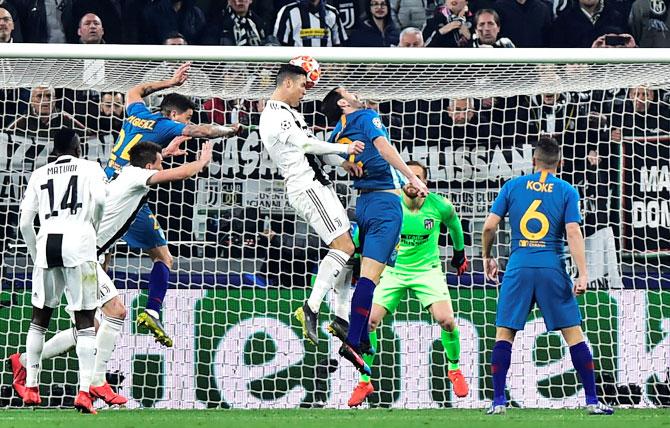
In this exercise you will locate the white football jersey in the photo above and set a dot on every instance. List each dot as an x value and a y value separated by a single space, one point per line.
125 196
278 123
65 194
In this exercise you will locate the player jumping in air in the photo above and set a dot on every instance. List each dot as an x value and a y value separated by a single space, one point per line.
378 208
418 268
294 149
162 127
541 208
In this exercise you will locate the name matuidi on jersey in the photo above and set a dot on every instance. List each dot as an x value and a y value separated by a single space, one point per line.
60 169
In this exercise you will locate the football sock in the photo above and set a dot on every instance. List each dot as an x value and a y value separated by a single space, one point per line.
105 341
158 285
341 292
500 361
451 341
34 346
361 303
369 359
329 269
583 362
60 343
86 356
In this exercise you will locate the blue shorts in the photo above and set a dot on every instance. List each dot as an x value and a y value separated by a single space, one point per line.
550 288
379 219
145 232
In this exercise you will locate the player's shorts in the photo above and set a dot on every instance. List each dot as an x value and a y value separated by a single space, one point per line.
322 210
379 218
79 283
106 292
550 288
145 232
428 286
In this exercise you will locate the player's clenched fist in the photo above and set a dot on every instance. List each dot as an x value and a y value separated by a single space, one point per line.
460 262
355 147
420 186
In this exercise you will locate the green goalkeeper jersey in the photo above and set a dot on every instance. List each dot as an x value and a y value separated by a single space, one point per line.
419 249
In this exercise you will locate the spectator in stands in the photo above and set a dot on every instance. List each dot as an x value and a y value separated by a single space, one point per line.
409 13
163 17
115 14
411 37
90 30
449 26
461 124
41 21
602 41
265 9
175 39
6 26
487 28
378 29
526 22
310 23
583 22
17 35
110 119
237 25
640 116
649 22
43 117
352 12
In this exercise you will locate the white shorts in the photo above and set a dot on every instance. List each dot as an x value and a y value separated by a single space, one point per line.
106 292
322 209
80 284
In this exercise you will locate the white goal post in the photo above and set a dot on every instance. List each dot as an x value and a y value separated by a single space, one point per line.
244 262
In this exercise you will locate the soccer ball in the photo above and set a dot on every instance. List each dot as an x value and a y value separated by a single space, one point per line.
311 67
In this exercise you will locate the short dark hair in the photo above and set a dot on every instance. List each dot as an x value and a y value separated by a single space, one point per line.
176 102
329 106
66 142
480 12
287 71
547 151
143 153
174 35
420 165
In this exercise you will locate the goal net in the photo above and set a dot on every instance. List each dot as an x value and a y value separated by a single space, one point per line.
244 262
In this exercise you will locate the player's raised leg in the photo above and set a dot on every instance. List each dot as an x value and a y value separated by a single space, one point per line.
365 388
158 285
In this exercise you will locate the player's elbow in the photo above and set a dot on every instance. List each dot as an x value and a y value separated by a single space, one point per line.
573 231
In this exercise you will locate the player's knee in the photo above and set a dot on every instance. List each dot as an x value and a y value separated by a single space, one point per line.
84 319
373 324
115 309
447 322
166 259
41 316
349 248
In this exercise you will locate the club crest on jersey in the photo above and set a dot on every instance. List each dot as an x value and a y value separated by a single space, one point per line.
428 223
377 122
657 6
285 124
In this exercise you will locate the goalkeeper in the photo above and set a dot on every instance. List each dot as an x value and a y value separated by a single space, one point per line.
419 268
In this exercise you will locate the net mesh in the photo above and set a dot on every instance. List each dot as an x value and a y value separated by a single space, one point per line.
244 262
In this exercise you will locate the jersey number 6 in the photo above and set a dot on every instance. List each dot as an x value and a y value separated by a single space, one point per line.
532 214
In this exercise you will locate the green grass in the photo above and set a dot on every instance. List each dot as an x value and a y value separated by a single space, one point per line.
303 418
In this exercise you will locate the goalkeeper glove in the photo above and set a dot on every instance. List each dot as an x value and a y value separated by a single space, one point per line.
460 262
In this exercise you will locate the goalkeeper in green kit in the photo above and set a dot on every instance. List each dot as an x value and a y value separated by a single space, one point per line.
418 268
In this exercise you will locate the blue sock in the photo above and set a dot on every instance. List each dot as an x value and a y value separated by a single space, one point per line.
500 361
583 362
158 285
361 303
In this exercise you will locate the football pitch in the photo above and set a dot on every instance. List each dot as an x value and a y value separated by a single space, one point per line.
327 418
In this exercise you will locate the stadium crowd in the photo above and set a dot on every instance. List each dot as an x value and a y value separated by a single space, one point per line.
356 23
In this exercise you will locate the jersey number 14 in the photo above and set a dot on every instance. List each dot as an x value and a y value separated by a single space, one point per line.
69 198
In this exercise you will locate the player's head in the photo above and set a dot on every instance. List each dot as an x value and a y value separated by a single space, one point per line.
147 155
66 142
177 107
291 82
547 154
339 101
421 172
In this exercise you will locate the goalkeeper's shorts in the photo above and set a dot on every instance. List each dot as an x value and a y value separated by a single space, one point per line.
550 288
429 286
145 232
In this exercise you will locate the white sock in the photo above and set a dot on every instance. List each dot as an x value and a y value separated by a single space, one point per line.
105 341
152 313
341 303
59 344
34 346
329 269
86 356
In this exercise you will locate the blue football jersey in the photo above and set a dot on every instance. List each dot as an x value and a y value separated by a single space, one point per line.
539 206
366 125
141 125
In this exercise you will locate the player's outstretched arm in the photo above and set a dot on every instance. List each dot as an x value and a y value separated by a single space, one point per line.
488 238
137 93
184 171
210 131
391 155
578 253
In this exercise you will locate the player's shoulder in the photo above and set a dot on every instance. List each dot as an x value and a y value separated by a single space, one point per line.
137 108
437 199
370 118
